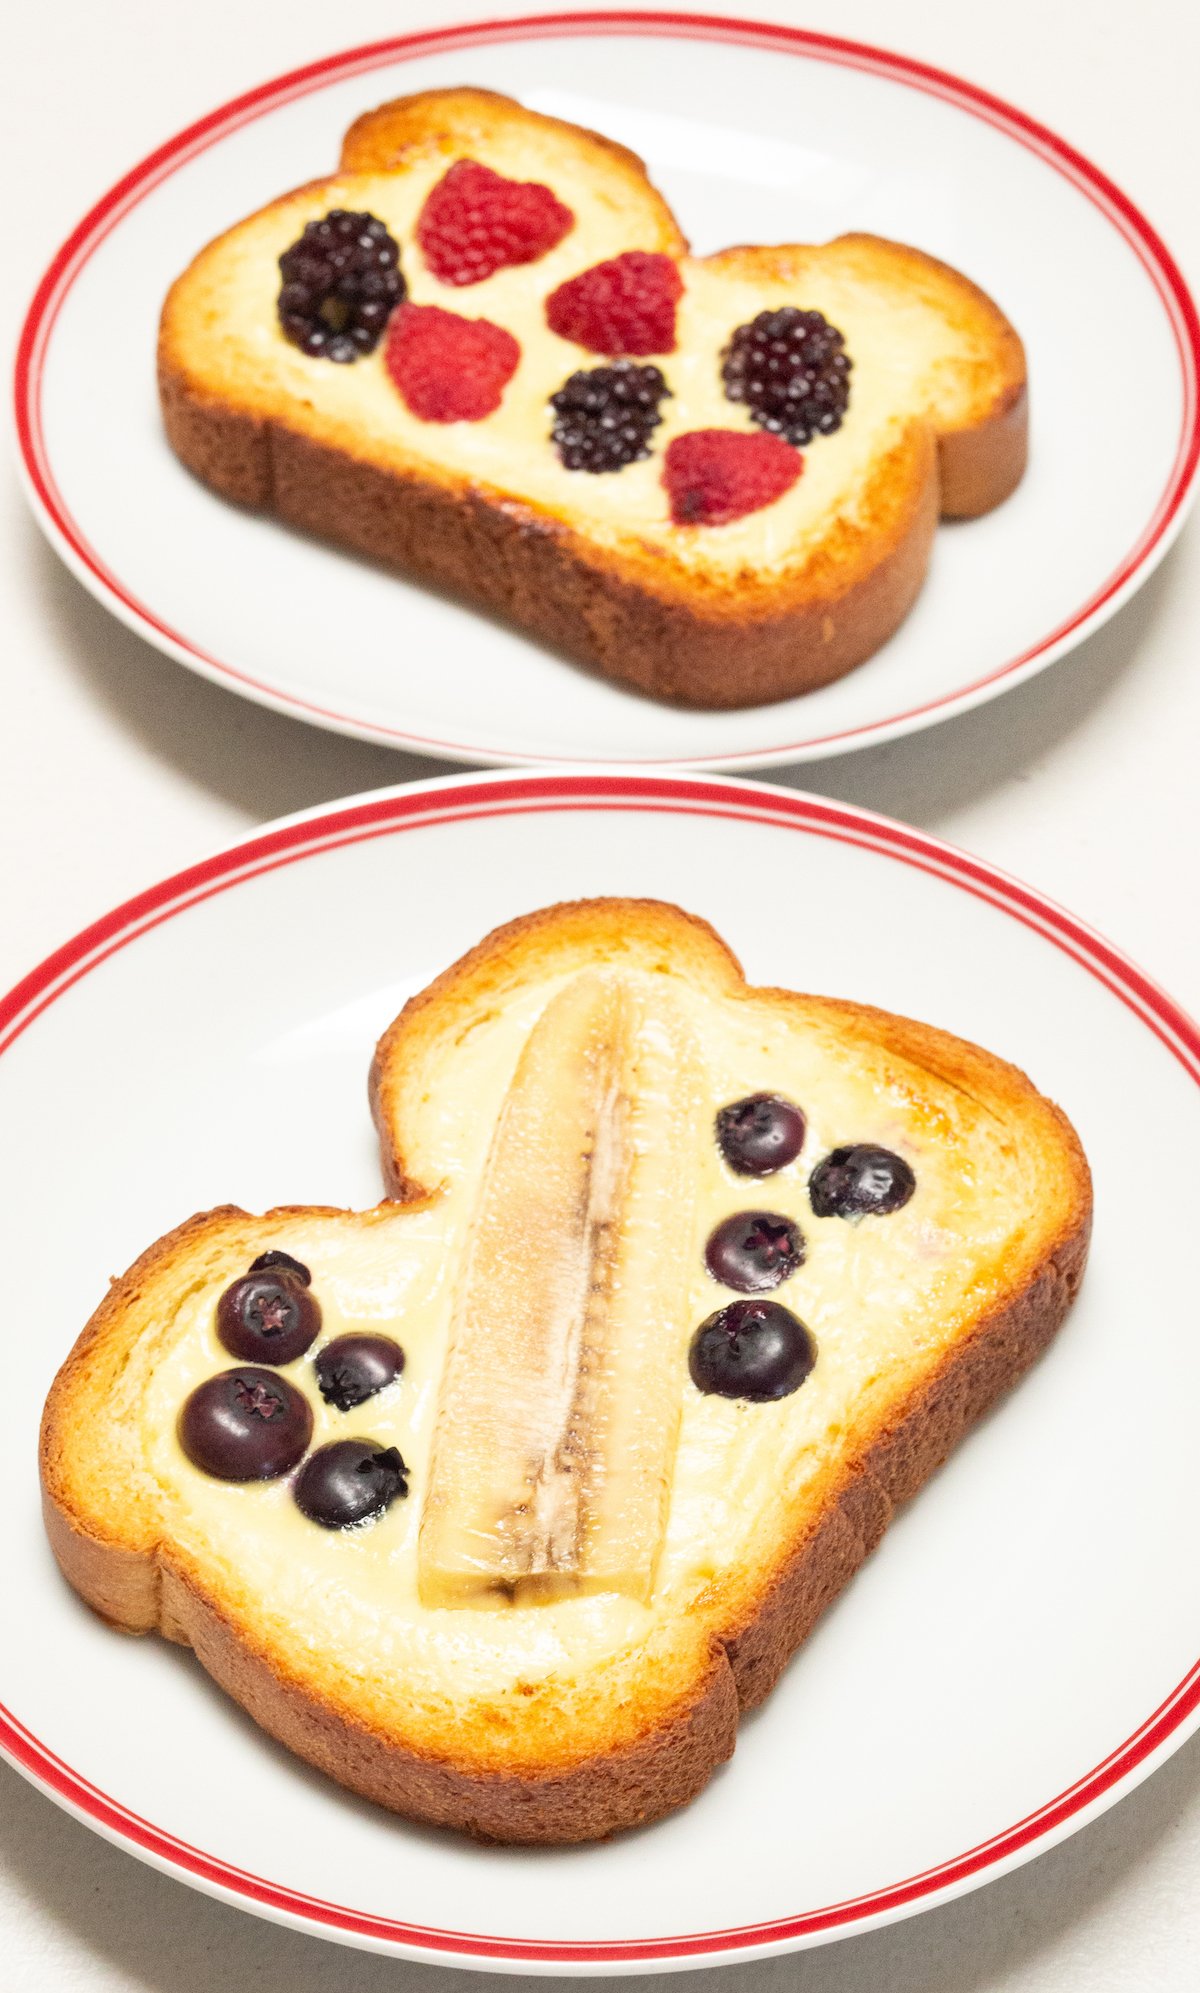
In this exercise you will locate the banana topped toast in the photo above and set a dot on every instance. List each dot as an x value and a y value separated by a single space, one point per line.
500 1501
481 352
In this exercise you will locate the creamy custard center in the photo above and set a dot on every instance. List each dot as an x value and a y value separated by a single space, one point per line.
881 1298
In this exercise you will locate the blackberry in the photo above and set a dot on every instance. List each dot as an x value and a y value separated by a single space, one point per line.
341 282
603 416
791 369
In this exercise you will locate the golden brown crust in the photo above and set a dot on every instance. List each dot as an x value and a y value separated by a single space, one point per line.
225 447
450 119
711 651
669 630
980 466
120 1558
620 1788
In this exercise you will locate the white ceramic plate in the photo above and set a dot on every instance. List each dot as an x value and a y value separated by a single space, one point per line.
755 133
1022 1648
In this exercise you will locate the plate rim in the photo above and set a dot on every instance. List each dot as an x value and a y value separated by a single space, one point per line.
53 514
455 798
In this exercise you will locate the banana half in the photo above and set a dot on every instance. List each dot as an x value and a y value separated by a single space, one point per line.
559 1405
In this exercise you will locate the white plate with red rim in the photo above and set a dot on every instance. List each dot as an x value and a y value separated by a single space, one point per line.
887 144
1023 1647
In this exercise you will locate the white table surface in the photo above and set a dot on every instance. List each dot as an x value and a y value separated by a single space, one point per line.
117 766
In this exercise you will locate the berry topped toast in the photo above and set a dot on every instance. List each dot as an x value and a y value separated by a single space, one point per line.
500 1501
481 352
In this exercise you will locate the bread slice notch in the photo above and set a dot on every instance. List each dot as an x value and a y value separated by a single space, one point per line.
776 603
568 1714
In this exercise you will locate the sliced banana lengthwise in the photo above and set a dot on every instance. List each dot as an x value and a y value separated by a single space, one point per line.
560 1401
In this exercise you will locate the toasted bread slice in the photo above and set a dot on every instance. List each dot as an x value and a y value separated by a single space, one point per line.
598 1563
773 603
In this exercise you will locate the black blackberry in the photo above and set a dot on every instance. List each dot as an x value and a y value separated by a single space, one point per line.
341 282
603 416
791 369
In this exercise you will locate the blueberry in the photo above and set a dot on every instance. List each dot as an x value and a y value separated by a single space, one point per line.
268 1316
350 1481
859 1182
281 1259
245 1425
751 1349
760 1134
352 1369
754 1251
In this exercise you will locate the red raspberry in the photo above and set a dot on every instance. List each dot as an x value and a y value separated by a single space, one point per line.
715 475
447 368
626 305
475 221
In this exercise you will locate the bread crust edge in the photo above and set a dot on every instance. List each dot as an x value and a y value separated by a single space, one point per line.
718 653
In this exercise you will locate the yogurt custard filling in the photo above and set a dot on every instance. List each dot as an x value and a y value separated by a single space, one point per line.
714 1472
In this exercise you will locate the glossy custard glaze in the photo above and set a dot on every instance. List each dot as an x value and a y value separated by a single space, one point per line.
897 339
880 1296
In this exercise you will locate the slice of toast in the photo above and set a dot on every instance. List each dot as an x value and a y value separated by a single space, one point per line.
600 1558
774 602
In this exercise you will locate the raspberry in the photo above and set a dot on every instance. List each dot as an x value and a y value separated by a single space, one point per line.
447 368
475 222
626 305
715 475
603 416
341 282
791 370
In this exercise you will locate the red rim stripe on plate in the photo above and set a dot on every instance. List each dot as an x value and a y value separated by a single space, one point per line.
1128 219
455 799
